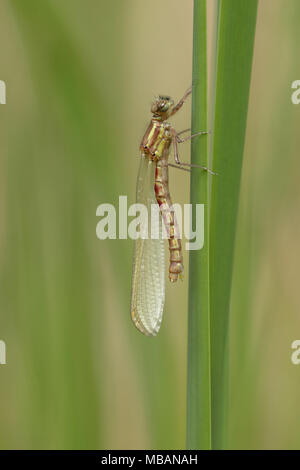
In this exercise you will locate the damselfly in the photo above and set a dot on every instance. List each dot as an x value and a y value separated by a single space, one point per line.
148 282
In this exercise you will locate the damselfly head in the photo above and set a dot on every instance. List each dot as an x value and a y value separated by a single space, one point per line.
162 106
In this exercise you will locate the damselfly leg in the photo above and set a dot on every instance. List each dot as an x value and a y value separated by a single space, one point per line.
189 137
178 167
177 140
181 102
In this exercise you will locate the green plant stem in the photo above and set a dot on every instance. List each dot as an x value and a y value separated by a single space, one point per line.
198 383
237 23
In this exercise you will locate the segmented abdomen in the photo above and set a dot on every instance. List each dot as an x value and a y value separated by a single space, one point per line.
161 188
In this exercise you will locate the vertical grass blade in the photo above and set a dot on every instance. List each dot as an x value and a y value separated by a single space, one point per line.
198 383
237 23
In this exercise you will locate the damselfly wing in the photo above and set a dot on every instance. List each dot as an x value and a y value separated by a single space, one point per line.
148 281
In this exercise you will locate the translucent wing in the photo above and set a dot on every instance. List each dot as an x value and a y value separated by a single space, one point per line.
148 279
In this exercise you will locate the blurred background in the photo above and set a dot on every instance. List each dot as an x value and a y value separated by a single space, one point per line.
80 79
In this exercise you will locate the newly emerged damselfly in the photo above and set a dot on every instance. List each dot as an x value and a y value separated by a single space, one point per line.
148 281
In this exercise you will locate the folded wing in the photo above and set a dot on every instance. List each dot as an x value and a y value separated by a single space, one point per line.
148 280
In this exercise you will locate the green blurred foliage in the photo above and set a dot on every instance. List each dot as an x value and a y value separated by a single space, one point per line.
80 77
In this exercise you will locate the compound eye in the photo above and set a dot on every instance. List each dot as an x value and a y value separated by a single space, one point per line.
164 107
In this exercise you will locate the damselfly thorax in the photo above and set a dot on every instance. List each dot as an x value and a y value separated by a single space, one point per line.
157 139
148 282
